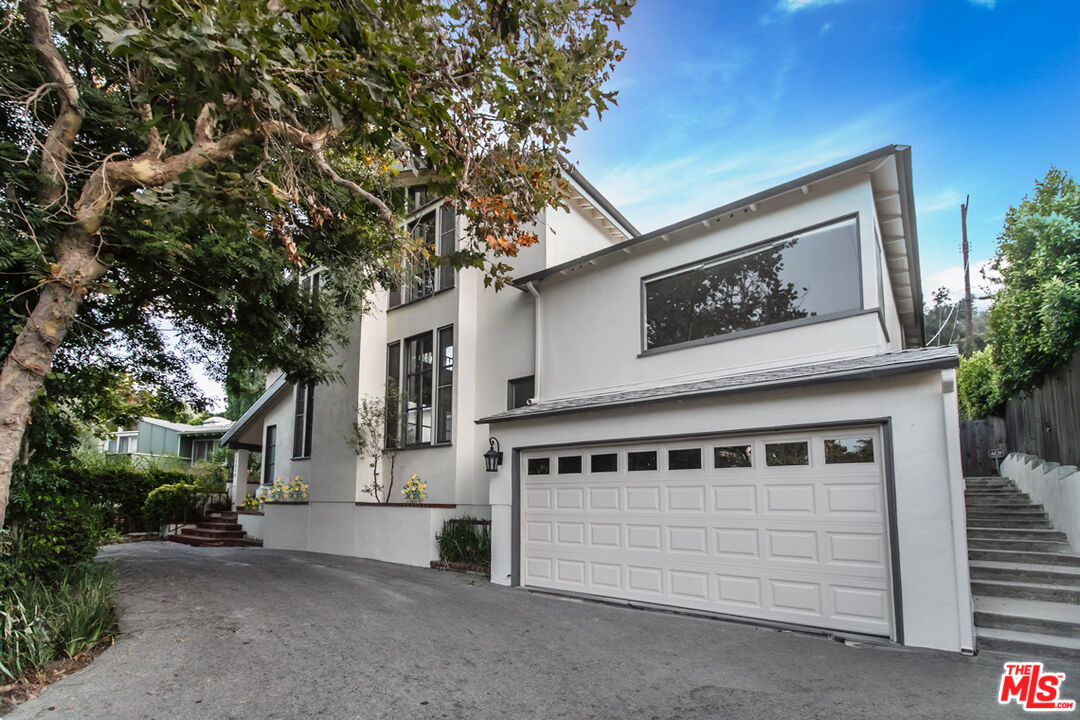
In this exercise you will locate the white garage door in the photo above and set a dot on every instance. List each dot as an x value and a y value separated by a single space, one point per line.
789 528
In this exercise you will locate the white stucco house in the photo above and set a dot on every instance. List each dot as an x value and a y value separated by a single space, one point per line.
733 414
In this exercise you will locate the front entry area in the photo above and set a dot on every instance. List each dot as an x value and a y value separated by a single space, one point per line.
786 527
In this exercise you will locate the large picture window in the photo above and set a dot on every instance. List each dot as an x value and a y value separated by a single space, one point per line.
426 374
813 273
434 234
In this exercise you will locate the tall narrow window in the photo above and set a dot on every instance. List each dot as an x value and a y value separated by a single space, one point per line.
270 455
305 404
393 395
444 401
417 394
446 245
422 282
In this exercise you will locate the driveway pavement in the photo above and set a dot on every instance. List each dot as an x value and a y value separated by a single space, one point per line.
253 633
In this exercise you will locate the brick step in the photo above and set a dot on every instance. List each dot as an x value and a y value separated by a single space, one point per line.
995 533
1060 575
220 525
1026 645
211 534
1044 618
1042 546
1026 591
1023 556
223 542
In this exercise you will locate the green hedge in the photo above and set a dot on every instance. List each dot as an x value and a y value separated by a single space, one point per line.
465 540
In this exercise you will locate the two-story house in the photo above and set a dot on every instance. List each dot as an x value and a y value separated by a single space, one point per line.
731 415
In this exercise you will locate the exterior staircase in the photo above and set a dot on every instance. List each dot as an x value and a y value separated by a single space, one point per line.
1024 577
218 530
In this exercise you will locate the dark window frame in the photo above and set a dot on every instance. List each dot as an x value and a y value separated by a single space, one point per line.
438 378
743 251
421 376
442 276
512 399
303 409
269 454
444 380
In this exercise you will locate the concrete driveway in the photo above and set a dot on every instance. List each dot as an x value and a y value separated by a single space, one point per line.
253 633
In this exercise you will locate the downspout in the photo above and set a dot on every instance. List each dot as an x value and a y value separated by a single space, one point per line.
536 340
958 513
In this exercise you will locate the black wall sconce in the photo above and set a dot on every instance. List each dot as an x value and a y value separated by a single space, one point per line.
493 457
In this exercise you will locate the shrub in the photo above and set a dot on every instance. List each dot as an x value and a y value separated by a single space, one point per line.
49 533
281 491
172 503
978 383
465 540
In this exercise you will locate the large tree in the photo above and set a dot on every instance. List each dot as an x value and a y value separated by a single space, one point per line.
1035 319
187 160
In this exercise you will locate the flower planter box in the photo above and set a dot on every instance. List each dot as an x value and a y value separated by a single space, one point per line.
445 506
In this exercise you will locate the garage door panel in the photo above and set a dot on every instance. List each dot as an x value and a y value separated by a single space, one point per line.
802 544
739 499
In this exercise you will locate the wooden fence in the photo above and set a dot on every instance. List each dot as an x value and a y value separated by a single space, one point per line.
977 437
1046 421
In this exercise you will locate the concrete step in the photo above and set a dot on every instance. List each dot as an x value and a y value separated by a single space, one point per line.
1045 618
1022 556
1025 645
1008 522
1026 591
1044 546
1061 575
996 533
1017 510
997 506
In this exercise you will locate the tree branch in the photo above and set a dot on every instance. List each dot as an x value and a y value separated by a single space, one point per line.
57 147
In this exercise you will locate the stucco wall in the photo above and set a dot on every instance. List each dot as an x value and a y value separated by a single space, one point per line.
931 543
591 322
1055 487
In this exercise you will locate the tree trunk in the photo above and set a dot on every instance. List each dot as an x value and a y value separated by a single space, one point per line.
30 359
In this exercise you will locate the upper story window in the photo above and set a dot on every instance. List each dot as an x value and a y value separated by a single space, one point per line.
814 273
520 391
422 370
432 227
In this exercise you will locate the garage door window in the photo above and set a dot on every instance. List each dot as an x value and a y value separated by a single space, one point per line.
570 465
732 456
638 461
687 459
539 466
604 462
787 453
849 450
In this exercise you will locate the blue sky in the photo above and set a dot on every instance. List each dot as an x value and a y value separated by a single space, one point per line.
721 99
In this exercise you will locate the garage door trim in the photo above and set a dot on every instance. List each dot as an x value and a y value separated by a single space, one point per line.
885 424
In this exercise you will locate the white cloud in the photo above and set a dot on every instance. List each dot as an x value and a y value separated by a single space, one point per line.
945 200
790 6
988 4
826 27
952 279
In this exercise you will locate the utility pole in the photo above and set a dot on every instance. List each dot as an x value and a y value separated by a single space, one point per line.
969 323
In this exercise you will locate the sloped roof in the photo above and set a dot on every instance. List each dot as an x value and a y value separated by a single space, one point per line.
210 426
873 366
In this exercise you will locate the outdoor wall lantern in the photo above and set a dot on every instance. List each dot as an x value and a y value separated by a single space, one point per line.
493 457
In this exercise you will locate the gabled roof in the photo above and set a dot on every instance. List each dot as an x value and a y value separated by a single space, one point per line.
896 208
268 395
873 366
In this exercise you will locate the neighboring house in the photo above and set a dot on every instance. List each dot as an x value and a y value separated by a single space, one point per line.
154 437
733 414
